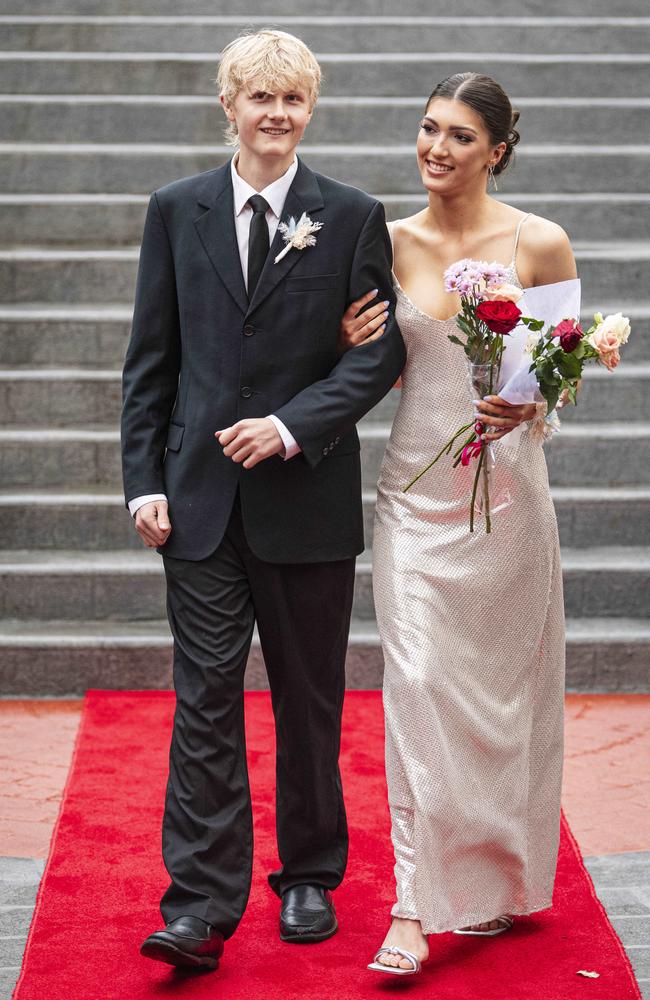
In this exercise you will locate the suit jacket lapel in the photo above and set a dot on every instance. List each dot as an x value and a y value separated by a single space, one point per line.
304 196
216 229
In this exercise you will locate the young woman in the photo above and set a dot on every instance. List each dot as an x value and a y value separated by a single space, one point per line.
471 625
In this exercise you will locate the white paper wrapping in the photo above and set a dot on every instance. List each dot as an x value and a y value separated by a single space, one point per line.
550 303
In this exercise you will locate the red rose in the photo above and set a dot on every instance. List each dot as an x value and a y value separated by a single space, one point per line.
500 317
569 333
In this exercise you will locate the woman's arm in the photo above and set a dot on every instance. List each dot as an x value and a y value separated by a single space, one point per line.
361 327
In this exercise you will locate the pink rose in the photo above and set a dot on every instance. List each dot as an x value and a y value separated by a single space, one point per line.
606 343
502 293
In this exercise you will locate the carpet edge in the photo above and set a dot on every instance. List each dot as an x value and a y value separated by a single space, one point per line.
575 847
41 887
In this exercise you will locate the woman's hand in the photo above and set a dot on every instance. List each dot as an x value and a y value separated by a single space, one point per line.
502 416
357 330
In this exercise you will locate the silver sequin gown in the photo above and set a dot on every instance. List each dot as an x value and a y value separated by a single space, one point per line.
472 629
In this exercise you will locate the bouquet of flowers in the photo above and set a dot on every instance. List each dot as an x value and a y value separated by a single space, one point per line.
559 354
556 358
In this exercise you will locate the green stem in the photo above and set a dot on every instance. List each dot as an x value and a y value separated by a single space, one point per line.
486 494
459 454
494 370
475 488
446 448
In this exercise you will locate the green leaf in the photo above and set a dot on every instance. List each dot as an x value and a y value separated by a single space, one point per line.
551 394
532 324
569 366
456 340
546 369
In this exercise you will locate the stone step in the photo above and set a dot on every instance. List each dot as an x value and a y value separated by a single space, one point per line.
278 8
138 33
609 581
586 216
109 221
615 515
598 74
65 397
199 119
43 457
74 336
96 520
96 336
614 395
60 397
138 168
129 585
54 658
589 454
74 168
84 275
602 455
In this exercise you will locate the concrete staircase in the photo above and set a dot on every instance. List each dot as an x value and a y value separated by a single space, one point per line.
103 102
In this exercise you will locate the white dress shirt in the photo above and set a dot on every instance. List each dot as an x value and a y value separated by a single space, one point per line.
275 194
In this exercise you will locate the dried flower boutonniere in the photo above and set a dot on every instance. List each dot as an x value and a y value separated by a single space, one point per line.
298 234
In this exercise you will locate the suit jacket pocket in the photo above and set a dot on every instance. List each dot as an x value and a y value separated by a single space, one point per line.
175 436
312 282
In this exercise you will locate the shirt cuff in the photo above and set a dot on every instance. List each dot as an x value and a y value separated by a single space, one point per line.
138 502
291 446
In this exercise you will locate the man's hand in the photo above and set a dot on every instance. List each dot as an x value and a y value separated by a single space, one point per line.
250 441
152 523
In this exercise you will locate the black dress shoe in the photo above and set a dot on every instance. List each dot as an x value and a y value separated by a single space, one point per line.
188 942
307 915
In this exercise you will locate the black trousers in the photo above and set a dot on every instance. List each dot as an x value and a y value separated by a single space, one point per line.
303 616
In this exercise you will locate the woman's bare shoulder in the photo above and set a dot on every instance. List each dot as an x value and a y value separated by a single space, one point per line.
546 251
543 233
409 226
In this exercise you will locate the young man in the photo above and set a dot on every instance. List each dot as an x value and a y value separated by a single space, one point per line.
241 465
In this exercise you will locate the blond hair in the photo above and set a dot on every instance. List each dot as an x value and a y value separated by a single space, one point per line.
271 61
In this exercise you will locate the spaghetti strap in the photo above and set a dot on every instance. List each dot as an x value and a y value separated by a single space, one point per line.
517 232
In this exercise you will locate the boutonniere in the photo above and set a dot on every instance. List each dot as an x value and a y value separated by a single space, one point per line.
298 234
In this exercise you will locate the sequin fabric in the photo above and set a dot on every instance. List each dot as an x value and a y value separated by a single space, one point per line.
472 629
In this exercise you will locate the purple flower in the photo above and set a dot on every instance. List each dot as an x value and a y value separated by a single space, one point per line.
466 275
494 274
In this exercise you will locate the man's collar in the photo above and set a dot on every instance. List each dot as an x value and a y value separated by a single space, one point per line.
275 193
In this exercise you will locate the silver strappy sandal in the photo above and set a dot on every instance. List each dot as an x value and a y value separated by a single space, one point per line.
505 924
395 970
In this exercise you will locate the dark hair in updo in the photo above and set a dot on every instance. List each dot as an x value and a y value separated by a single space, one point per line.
484 95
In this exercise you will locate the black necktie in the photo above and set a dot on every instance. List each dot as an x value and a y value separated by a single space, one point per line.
258 241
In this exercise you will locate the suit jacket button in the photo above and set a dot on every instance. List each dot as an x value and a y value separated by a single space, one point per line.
325 451
336 440
246 392
249 330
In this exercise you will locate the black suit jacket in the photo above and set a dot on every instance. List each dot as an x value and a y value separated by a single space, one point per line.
201 357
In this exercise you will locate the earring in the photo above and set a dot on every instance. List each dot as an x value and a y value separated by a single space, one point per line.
492 177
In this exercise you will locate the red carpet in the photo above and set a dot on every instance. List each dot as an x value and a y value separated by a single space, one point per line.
99 896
